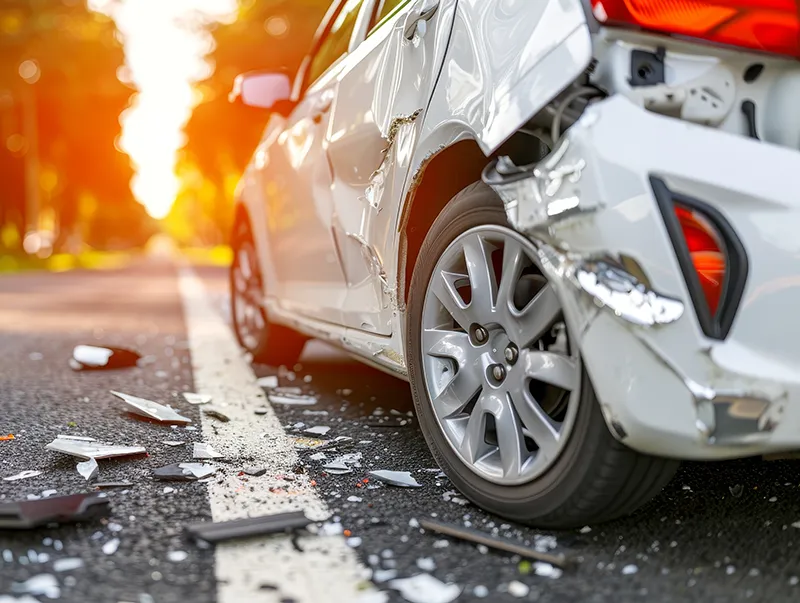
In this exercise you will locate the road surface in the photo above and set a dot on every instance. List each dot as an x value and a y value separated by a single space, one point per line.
719 532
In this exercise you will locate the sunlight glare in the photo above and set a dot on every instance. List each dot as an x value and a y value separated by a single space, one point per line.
166 44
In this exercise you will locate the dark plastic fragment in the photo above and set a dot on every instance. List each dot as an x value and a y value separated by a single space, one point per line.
29 514
244 528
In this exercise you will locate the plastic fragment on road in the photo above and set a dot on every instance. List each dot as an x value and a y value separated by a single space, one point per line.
88 469
150 409
403 479
185 472
424 588
320 430
7 438
43 585
67 564
196 398
88 448
110 547
216 414
22 475
205 451
245 528
26 515
97 358
268 382
494 542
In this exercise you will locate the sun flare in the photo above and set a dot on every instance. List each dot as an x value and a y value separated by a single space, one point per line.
166 44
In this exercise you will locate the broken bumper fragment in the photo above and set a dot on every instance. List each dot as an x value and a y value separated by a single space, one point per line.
673 378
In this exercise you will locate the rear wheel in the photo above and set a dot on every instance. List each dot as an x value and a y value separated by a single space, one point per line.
268 343
498 384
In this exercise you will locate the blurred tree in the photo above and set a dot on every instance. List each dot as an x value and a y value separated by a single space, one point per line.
58 69
269 34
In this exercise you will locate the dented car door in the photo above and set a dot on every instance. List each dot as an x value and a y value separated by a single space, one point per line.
385 87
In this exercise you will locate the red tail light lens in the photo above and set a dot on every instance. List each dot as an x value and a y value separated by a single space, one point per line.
707 252
765 25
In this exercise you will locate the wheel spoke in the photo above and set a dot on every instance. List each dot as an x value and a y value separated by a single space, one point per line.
537 317
443 286
473 445
549 367
510 439
458 393
446 344
543 430
481 278
513 256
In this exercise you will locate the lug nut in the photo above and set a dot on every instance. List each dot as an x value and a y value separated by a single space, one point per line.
498 372
481 335
511 353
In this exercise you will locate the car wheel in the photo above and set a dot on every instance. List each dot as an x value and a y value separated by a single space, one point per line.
498 385
268 343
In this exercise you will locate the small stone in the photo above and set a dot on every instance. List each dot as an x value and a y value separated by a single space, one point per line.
261 410
254 471
480 591
629 570
518 589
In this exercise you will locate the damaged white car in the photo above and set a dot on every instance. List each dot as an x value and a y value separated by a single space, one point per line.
568 224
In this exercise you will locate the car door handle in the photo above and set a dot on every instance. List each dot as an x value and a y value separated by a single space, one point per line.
420 15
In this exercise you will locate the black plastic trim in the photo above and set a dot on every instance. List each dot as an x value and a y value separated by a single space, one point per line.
715 327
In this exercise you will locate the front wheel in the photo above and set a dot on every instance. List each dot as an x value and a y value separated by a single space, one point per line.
268 343
498 384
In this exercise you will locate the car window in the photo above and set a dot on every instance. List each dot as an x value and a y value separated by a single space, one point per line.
387 9
336 43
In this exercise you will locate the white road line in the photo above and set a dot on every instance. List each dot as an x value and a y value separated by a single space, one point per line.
327 570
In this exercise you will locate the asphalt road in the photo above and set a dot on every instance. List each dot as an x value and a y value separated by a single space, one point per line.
718 532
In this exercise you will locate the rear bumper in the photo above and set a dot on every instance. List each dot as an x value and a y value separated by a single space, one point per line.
665 386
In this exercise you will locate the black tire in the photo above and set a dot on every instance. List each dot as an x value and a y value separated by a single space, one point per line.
595 479
276 344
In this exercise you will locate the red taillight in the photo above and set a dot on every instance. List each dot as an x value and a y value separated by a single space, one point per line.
765 25
707 252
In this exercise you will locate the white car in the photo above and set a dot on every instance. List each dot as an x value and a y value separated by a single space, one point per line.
571 226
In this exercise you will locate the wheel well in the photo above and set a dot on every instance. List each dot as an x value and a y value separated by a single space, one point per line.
446 174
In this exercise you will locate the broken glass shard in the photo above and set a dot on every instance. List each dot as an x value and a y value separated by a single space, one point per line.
86 448
291 396
93 358
22 475
88 469
187 472
174 443
424 588
205 451
318 430
24 515
268 382
343 464
196 398
110 547
43 585
68 564
148 408
404 479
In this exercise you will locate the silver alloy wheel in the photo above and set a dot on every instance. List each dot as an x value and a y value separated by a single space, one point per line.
247 295
498 367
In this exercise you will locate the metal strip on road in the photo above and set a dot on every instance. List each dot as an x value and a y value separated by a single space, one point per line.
263 569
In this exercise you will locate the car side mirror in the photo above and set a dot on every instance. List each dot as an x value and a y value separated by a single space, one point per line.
263 90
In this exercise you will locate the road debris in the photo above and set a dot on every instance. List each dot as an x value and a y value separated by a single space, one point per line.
424 588
302 443
253 526
110 485
89 448
254 471
67 564
493 542
185 472
343 464
403 479
151 410
173 443
268 382
22 475
216 414
43 585
96 358
196 398
318 430
88 469
291 396
261 410
25 515
177 556
205 451
629 570
518 589
426 564
110 547
7 438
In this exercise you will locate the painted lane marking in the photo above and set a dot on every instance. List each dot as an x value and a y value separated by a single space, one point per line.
327 569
